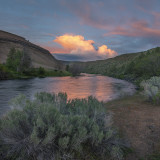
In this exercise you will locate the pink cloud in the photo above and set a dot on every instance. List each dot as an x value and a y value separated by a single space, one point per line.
86 12
136 29
76 44
156 19
128 25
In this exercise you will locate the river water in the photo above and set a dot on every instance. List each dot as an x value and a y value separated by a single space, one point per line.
102 87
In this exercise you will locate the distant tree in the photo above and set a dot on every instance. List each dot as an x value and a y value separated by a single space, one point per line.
67 67
18 61
10 59
157 49
41 71
25 61
75 69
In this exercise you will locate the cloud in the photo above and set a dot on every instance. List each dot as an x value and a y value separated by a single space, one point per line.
90 13
77 45
156 19
70 57
103 50
136 29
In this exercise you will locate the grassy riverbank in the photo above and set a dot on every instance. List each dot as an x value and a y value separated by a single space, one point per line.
6 73
139 122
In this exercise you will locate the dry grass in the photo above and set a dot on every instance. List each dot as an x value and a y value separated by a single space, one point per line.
139 122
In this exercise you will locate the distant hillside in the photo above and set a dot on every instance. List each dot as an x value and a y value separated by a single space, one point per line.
133 67
39 56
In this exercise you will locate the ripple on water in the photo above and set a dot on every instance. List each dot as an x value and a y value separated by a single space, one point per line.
102 87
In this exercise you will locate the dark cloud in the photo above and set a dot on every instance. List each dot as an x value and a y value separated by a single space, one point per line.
69 57
73 57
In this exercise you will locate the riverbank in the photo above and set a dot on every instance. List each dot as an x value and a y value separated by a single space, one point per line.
16 76
139 122
6 74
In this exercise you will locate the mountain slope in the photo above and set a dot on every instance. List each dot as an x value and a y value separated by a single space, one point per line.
133 67
40 57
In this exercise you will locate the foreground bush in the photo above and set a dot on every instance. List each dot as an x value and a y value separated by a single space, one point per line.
52 128
152 89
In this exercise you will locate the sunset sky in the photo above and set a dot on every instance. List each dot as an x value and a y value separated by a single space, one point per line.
84 29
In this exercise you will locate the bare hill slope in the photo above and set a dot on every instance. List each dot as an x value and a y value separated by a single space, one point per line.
39 56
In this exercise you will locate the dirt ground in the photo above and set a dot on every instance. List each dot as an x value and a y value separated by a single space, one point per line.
138 121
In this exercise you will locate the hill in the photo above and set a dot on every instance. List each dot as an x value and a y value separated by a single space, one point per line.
133 67
40 57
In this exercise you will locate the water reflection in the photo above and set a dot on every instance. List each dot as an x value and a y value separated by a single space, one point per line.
101 87
84 86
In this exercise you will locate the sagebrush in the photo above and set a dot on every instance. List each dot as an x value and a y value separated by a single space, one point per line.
50 127
152 89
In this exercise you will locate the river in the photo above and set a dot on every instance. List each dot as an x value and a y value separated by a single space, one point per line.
102 87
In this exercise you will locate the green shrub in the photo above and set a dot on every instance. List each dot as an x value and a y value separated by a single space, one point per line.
154 157
5 73
18 61
152 89
41 71
52 127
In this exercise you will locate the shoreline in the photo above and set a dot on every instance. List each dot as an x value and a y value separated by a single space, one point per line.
14 76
